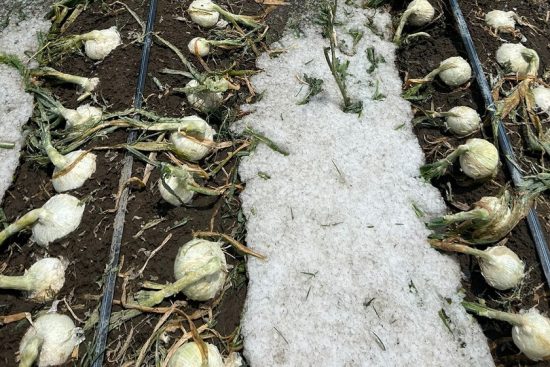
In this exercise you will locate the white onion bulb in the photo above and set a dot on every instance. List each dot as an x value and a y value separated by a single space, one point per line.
422 13
503 21
418 13
78 174
455 71
43 280
58 217
189 355
193 148
199 46
518 58
195 254
204 101
51 338
532 336
201 13
502 268
462 120
99 43
481 160
542 98
83 115
179 185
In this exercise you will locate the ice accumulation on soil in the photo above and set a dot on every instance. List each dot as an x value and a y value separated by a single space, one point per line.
350 279
15 105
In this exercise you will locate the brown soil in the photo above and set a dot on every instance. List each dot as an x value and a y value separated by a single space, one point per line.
88 248
418 59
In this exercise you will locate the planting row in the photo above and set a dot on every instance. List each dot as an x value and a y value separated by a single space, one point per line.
182 252
459 138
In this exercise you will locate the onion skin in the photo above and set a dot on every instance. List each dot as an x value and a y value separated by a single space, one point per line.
195 254
189 355
462 120
202 14
455 71
53 337
518 58
100 43
502 268
481 160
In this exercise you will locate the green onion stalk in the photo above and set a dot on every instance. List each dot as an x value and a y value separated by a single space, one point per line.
88 85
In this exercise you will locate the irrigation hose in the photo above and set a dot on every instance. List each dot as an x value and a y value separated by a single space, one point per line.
506 147
110 277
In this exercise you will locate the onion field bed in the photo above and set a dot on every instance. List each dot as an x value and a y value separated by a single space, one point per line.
151 223
282 179
418 59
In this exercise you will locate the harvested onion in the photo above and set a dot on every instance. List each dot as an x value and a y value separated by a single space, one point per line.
500 266
58 217
491 218
453 71
478 160
71 170
518 58
42 281
50 339
83 115
542 98
418 13
99 44
197 253
206 14
530 331
460 120
189 355
502 21
178 187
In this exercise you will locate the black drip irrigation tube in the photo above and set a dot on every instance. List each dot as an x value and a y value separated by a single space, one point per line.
111 272
505 145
